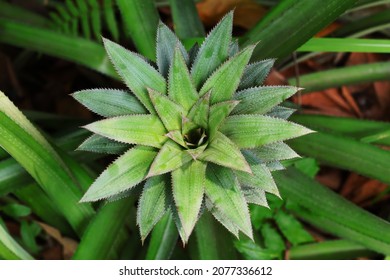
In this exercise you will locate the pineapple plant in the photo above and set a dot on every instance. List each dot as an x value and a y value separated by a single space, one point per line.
197 131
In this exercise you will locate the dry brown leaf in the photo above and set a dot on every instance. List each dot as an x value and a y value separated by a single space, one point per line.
69 246
247 12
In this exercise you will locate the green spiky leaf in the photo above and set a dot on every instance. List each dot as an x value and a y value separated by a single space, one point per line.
135 129
109 102
100 144
255 74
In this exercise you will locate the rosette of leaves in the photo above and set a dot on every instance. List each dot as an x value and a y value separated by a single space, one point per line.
198 131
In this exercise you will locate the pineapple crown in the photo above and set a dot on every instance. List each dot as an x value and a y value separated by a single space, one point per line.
199 132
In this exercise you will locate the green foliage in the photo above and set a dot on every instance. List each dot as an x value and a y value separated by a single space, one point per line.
189 124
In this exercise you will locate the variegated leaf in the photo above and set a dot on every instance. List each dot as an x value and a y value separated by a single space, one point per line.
223 190
123 174
220 217
137 74
281 112
209 57
255 73
180 86
260 100
261 176
218 113
169 112
100 144
109 102
134 129
152 204
255 195
250 131
170 157
275 151
199 113
222 151
188 189
224 81
167 41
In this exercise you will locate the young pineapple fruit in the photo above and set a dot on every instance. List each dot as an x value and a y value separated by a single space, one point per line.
199 133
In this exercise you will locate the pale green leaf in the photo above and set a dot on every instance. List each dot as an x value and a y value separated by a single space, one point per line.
222 151
175 216
224 81
169 112
180 86
170 157
109 102
255 73
220 217
167 41
188 189
134 129
281 112
255 195
250 131
100 144
275 151
218 113
260 178
199 113
275 165
195 153
234 48
123 174
137 74
260 100
9 248
223 190
209 57
176 136
152 205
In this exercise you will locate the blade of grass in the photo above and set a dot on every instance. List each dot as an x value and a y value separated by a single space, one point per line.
318 204
163 240
10 249
141 19
375 131
330 250
103 230
17 13
346 45
287 26
78 50
186 19
24 143
345 153
350 75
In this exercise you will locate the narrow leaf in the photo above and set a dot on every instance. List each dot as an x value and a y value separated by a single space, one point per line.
209 57
218 113
260 178
181 88
109 102
255 73
135 129
9 248
220 217
123 174
224 81
274 166
224 152
199 113
224 192
99 144
152 204
188 189
281 112
260 100
170 157
167 41
169 112
137 74
250 131
275 151
255 195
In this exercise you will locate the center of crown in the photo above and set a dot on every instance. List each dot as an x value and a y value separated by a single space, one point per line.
195 137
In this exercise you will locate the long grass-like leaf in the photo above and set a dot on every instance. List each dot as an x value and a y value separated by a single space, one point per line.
9 248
